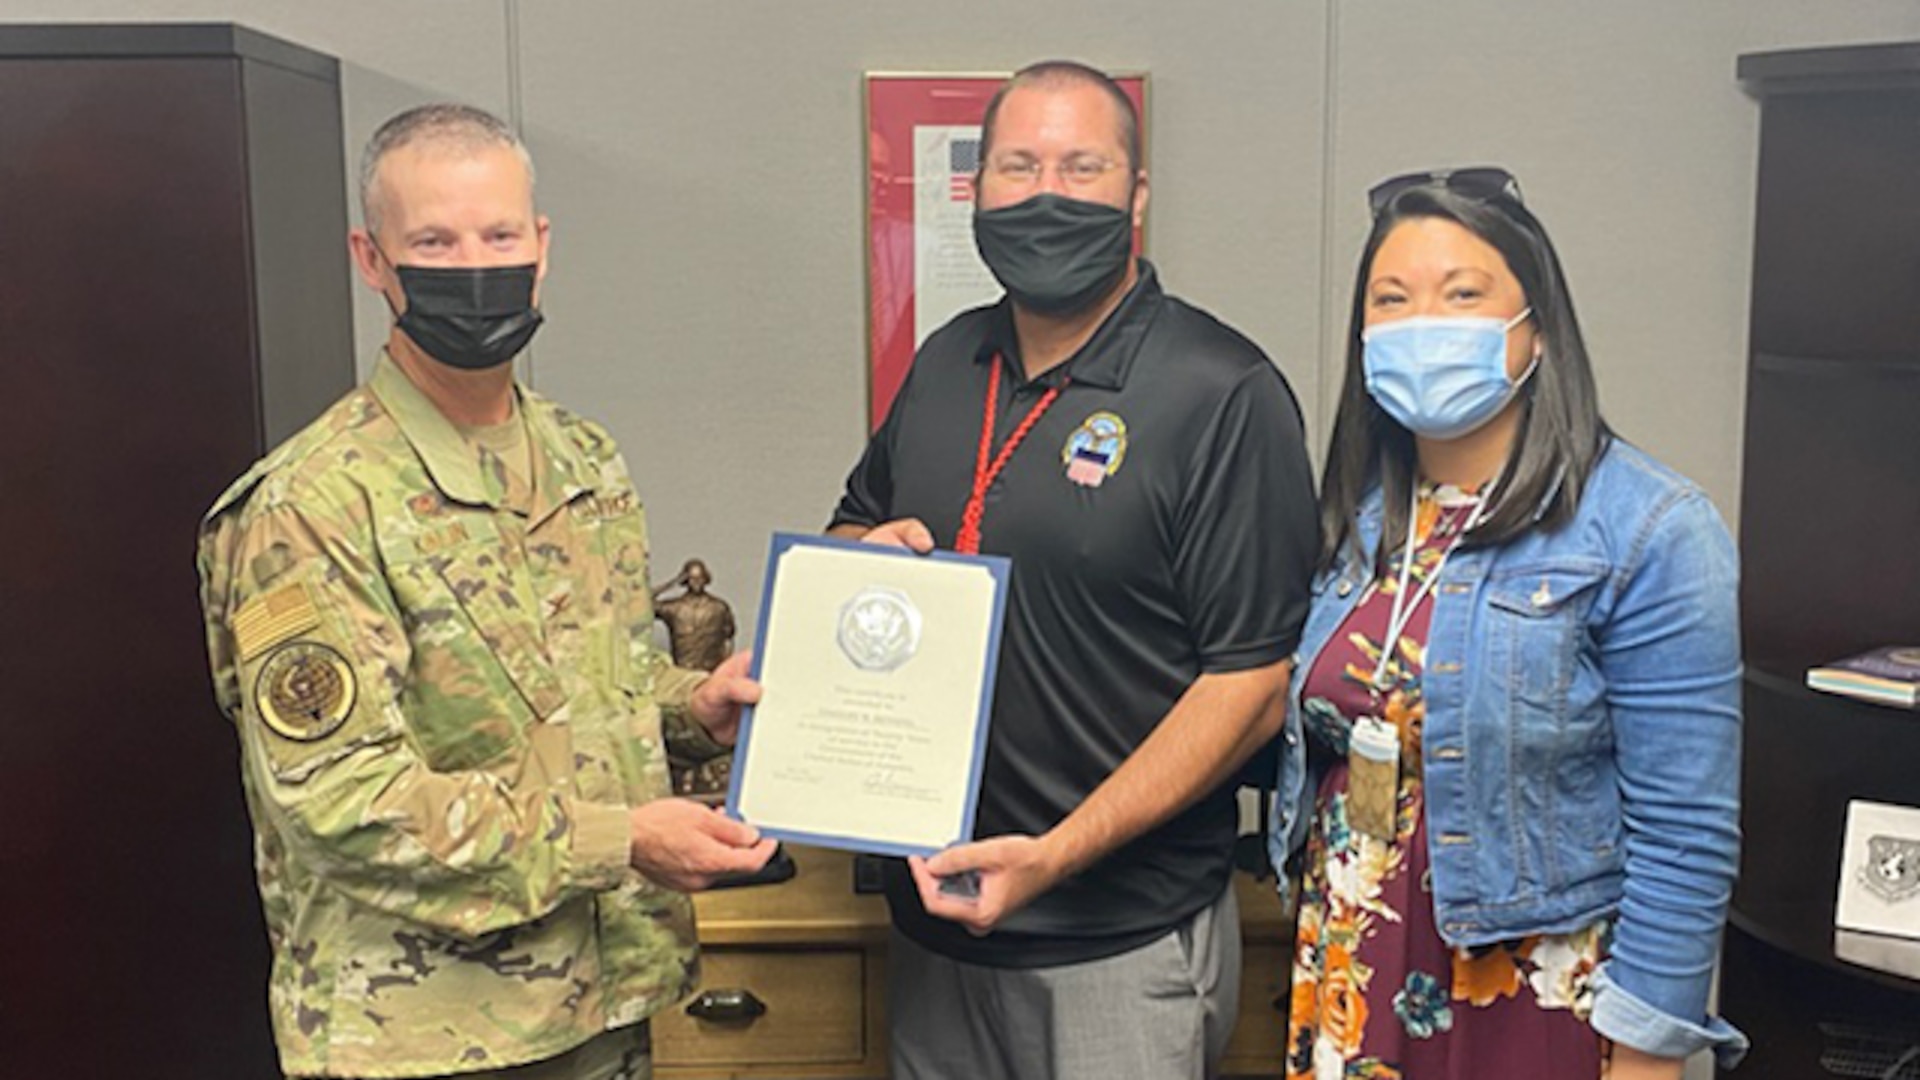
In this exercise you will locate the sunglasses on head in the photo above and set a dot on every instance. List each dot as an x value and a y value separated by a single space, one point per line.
1480 182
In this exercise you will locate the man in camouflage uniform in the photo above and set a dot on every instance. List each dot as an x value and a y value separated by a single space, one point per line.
429 619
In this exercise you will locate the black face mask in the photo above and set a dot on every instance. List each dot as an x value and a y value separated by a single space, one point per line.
469 318
1055 255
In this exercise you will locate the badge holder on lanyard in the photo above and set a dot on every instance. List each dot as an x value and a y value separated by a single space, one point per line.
1373 749
984 474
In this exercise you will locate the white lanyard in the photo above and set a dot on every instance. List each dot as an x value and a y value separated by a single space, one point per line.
1403 609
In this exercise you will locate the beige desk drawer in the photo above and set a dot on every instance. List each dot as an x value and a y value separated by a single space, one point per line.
816 1011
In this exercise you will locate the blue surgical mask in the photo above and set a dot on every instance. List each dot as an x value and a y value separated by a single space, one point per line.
1441 376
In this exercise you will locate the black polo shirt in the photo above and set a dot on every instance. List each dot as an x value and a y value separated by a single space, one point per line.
1178 541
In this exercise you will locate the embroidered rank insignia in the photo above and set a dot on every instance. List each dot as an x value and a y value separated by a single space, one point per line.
426 504
1095 449
305 691
271 618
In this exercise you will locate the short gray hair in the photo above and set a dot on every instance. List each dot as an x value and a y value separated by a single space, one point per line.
461 127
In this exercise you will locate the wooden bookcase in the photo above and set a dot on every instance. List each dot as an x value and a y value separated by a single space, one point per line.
173 301
1829 540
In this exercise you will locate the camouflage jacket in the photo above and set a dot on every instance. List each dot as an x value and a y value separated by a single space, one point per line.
447 699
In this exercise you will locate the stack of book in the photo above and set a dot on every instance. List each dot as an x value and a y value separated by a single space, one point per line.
1889 675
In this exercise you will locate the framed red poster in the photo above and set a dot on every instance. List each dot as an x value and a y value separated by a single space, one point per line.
923 148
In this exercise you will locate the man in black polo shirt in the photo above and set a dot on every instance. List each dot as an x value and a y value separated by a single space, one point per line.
1144 467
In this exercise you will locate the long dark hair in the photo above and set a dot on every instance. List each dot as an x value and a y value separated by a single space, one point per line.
1561 434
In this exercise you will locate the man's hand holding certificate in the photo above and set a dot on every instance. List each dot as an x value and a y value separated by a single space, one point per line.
877 669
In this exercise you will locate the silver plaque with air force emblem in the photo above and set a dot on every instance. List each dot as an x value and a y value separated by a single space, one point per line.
879 629
1876 917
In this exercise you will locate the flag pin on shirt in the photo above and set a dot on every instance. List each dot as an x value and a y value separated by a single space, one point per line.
1095 449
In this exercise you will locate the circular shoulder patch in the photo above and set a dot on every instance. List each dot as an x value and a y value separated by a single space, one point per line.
304 691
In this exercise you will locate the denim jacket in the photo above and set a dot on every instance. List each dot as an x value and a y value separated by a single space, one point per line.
1582 740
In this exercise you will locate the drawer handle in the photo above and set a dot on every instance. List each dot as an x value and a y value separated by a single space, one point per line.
727 1007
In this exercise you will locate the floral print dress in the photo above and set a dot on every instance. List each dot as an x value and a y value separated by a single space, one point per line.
1377 995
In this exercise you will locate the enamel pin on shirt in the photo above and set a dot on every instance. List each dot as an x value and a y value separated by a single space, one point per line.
1095 449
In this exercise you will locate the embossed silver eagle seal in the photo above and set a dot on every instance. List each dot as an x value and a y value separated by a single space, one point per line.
879 629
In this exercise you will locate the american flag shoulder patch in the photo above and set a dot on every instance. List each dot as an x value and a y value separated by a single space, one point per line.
273 617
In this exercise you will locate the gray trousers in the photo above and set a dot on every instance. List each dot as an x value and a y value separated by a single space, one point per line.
1163 1010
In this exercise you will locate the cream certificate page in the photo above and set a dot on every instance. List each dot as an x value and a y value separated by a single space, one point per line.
876 669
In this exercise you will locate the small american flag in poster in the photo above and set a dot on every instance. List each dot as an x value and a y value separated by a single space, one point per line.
963 157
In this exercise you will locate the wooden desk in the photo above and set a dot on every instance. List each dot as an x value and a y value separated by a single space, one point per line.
814 955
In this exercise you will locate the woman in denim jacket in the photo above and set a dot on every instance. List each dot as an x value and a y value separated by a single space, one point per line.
1513 757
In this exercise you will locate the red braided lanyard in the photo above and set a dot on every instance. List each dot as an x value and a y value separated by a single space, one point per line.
984 474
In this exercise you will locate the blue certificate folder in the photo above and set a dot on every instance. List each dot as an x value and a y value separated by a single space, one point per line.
871 732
